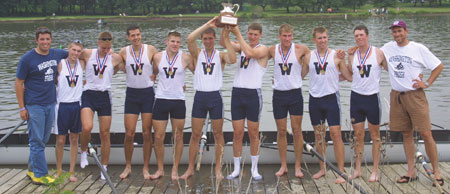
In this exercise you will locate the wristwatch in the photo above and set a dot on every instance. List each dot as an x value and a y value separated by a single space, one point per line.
427 84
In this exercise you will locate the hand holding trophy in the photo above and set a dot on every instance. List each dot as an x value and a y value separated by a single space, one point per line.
227 16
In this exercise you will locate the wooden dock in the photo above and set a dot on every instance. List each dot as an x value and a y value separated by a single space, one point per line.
13 180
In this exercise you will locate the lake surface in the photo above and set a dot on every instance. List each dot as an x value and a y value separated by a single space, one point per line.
18 38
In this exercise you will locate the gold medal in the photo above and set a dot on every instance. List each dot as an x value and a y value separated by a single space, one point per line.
285 68
322 72
170 72
100 76
361 72
246 63
208 69
72 84
139 70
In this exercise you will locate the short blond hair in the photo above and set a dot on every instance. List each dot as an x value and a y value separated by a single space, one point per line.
319 29
285 28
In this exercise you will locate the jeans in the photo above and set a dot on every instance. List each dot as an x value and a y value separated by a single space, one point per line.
40 122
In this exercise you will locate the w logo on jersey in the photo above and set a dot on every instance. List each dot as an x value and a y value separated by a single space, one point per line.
244 62
170 73
96 70
70 81
318 68
208 70
285 69
365 71
135 69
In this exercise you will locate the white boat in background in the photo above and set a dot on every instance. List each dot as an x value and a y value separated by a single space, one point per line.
15 149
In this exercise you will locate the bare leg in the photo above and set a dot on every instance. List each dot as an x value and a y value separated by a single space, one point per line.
321 146
130 128
105 125
217 125
296 123
431 149
339 152
197 125
147 147
59 152
359 148
73 155
408 145
238 136
376 144
160 133
87 117
282 145
177 130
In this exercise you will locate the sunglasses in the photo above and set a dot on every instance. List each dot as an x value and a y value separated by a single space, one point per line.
77 41
44 30
105 39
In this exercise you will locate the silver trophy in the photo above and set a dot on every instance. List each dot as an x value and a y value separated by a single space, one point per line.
227 15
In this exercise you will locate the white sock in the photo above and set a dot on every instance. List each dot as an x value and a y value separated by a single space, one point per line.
83 160
101 174
237 168
256 176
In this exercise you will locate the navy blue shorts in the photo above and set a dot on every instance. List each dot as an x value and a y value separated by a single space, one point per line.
205 102
287 101
97 101
164 107
246 103
363 106
326 107
68 118
139 100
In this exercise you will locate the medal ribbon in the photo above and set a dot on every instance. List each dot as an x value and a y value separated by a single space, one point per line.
136 60
171 64
209 59
284 58
322 62
362 61
101 66
72 73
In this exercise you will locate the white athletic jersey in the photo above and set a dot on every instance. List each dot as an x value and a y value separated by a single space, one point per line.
171 79
93 80
249 73
65 91
407 62
366 74
208 72
287 73
324 79
138 78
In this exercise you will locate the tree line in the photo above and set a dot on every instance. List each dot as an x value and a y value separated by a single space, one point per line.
147 7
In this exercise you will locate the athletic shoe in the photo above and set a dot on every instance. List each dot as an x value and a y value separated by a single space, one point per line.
30 174
43 180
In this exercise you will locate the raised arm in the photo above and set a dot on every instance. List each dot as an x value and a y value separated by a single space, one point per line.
256 53
234 44
230 56
193 36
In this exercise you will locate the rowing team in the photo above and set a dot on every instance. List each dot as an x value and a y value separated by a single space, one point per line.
78 97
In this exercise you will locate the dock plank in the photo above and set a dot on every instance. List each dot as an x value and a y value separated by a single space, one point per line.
269 178
376 187
307 181
417 185
81 175
393 175
294 182
6 178
361 182
90 180
9 184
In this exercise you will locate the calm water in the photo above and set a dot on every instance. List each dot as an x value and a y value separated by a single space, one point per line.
16 39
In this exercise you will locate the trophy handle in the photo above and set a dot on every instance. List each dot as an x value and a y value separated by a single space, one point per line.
236 9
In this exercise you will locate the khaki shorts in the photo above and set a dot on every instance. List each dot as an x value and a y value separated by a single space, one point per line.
409 111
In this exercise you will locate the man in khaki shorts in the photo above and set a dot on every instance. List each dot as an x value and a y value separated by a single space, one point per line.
409 110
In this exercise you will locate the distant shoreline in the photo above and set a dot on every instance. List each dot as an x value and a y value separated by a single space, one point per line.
192 17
